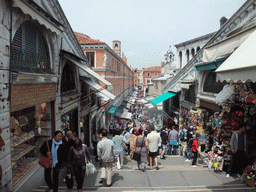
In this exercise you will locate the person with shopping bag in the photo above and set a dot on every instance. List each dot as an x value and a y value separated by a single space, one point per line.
77 158
56 149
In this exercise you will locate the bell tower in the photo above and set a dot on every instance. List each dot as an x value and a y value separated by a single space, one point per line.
117 47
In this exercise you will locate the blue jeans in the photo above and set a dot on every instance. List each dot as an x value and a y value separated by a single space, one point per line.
189 153
170 150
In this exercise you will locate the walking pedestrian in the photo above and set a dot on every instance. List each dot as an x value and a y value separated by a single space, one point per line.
106 154
154 141
140 145
57 151
164 139
132 139
174 138
118 140
78 155
68 141
95 140
238 147
189 137
195 150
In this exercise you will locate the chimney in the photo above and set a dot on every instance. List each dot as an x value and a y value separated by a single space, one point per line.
124 58
222 21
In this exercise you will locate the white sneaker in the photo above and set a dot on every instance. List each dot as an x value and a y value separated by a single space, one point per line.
194 165
187 160
227 175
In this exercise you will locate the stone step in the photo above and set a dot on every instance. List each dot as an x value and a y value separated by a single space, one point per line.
221 188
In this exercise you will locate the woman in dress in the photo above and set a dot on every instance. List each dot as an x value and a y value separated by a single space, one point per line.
132 138
57 151
76 159
140 145
118 139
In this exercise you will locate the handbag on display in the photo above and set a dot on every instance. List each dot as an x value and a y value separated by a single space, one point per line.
69 179
46 161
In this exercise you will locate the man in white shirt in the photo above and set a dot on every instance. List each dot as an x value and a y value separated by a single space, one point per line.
154 141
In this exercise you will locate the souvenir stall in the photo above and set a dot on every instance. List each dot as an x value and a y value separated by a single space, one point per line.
194 118
238 104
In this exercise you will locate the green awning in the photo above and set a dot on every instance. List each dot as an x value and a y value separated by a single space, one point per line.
113 109
209 65
162 98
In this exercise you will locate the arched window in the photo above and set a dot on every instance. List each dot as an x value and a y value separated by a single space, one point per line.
211 85
197 49
187 53
180 55
29 51
148 74
193 52
68 79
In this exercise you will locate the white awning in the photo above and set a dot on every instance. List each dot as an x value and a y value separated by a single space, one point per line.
91 72
143 101
102 96
241 65
97 87
226 47
126 115
27 9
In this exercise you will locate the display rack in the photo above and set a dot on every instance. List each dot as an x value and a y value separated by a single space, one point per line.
20 151
17 140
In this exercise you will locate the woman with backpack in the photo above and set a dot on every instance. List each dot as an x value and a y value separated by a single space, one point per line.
78 155
189 144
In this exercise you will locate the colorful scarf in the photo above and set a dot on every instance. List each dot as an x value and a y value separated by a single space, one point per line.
55 146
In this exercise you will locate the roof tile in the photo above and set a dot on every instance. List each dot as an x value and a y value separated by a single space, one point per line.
86 40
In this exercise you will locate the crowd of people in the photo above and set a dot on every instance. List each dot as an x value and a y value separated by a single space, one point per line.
141 136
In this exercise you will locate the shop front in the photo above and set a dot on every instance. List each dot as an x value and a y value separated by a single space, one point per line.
32 120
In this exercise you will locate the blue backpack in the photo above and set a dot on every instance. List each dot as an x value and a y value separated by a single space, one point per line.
182 135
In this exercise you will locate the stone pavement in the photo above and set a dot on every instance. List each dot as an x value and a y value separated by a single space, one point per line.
174 175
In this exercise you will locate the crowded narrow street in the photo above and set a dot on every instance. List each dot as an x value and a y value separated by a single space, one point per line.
174 175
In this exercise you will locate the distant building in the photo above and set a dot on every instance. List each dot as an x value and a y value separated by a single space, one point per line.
110 64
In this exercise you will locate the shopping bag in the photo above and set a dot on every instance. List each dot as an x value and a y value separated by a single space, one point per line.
90 169
69 179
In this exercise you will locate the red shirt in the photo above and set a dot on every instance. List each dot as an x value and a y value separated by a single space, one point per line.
194 145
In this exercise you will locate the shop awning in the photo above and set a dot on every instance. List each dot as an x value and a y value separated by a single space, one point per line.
126 115
91 72
102 96
225 47
162 98
241 65
143 101
97 87
113 109
209 65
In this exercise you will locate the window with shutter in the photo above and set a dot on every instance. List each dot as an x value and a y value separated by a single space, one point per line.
29 52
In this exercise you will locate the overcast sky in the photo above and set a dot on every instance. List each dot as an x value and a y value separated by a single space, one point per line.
146 28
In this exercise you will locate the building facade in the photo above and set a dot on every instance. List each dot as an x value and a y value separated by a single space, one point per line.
40 88
112 66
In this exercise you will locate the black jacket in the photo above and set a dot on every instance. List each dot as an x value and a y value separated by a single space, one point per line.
60 152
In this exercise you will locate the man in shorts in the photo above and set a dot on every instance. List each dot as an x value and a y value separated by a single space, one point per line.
154 141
